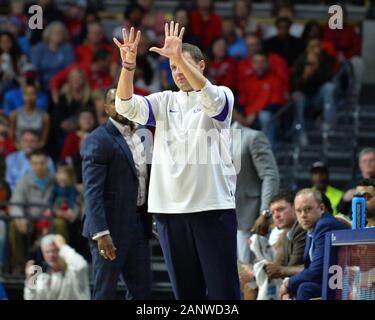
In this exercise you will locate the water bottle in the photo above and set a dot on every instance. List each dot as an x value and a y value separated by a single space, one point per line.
358 211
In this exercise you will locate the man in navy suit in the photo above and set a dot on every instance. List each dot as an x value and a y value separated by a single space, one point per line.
116 222
313 217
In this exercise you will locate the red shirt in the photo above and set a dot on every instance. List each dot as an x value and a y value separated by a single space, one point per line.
277 65
96 81
262 92
345 40
71 145
206 29
85 52
6 147
224 72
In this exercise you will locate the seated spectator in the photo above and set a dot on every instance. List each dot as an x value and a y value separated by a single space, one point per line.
12 61
74 96
236 45
63 200
29 117
97 73
283 10
96 41
284 44
348 45
205 23
290 259
313 217
66 277
51 14
320 181
313 30
16 26
75 14
276 63
313 87
154 20
241 15
182 17
367 188
53 54
134 15
289 245
264 96
31 194
4 197
14 99
7 145
89 17
18 164
221 67
366 162
85 124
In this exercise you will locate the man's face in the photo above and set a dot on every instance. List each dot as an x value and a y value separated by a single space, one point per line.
179 78
253 45
260 65
29 142
283 29
368 193
367 165
319 179
110 108
181 17
283 214
95 33
308 211
51 255
39 165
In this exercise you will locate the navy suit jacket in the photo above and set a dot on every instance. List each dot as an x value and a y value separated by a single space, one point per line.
110 185
313 271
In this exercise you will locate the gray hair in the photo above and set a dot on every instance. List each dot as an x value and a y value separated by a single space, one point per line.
56 24
316 194
47 240
366 151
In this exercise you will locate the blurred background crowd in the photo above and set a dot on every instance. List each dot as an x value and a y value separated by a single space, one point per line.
293 77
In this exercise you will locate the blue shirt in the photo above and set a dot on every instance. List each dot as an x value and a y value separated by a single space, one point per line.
13 100
50 62
18 166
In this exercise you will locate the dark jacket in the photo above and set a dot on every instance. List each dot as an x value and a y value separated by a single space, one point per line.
313 271
110 185
323 74
294 246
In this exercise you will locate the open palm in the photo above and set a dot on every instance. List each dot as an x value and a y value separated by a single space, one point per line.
128 49
172 48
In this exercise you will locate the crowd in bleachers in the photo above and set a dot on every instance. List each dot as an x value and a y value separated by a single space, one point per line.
53 82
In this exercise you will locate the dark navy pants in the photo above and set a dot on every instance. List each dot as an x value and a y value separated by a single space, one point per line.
200 252
133 264
309 290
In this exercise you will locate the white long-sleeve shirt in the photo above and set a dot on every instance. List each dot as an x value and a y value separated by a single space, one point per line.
70 284
192 168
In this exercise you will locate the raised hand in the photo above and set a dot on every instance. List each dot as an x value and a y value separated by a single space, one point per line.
128 49
172 48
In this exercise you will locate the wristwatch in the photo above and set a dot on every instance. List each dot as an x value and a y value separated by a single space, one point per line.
266 213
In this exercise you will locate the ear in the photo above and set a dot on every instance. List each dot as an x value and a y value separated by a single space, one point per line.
321 207
106 108
202 65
